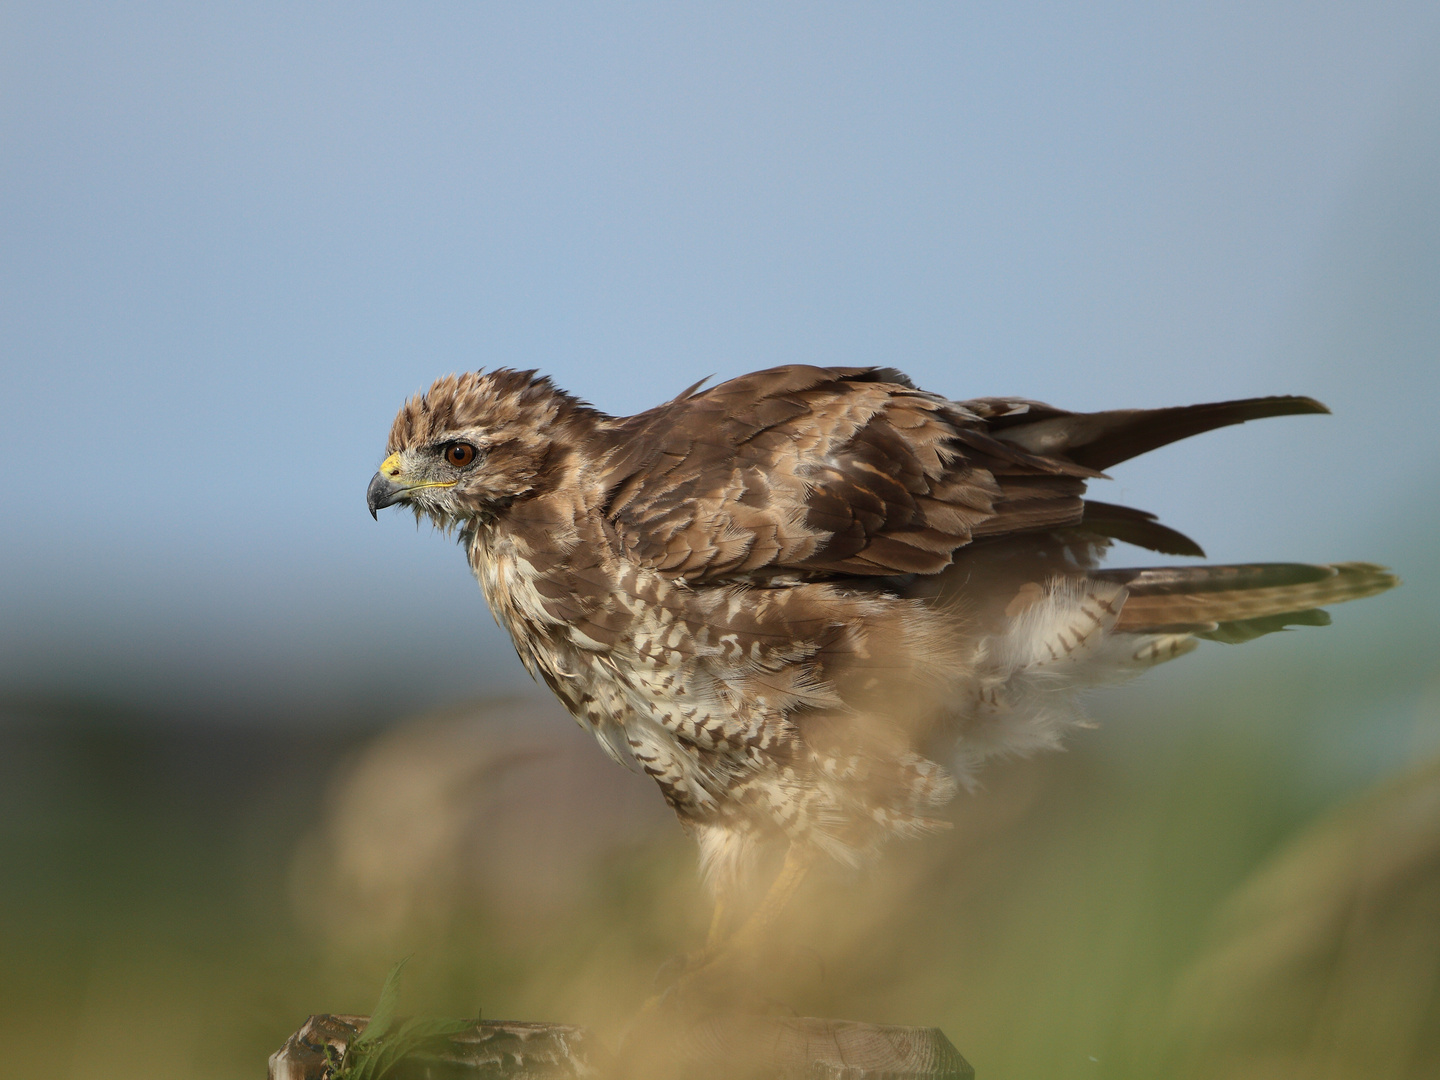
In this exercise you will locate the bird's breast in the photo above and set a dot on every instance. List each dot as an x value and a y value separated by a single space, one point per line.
510 582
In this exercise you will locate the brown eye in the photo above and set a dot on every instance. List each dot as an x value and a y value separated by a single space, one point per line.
460 454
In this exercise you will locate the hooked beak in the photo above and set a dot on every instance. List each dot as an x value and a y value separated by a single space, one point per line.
388 486
381 493
385 487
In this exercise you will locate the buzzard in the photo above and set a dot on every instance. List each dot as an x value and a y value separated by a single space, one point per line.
809 602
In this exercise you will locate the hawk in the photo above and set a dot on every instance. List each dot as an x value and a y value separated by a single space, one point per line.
809 602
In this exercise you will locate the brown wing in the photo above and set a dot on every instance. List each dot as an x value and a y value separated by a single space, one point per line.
814 471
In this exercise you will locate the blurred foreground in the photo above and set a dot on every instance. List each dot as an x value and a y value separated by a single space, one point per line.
1170 898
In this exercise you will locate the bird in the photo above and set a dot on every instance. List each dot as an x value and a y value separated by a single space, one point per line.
811 602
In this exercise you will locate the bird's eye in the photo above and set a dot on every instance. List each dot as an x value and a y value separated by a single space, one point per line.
460 454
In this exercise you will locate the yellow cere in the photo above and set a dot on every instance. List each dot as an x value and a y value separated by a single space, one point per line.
390 467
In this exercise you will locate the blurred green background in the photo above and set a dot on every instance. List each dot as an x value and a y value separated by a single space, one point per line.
1177 895
254 748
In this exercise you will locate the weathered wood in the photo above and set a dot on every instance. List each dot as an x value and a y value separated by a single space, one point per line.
792 1048
515 1050
492 1049
717 1048
303 1055
814 1049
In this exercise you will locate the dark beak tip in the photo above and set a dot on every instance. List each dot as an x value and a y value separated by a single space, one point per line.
380 494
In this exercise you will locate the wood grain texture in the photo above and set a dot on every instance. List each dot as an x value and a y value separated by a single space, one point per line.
303 1057
807 1048
492 1049
717 1048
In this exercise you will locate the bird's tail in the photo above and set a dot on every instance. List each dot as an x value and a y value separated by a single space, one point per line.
1081 631
1240 602
1101 439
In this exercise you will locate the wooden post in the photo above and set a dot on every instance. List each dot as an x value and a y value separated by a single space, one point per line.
806 1048
303 1057
512 1050
717 1048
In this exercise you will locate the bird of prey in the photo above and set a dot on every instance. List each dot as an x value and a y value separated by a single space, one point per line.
809 602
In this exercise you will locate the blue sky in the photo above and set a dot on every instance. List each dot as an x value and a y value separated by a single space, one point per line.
234 237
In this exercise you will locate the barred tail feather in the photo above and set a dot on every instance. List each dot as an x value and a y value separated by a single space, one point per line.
1239 602
1079 632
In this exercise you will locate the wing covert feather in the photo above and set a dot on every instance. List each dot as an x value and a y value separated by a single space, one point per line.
817 471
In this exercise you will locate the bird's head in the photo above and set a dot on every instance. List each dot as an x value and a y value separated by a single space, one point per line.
469 446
